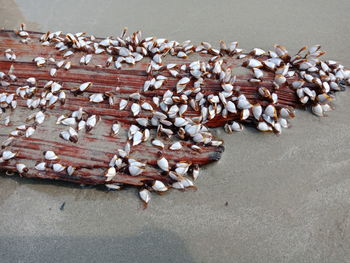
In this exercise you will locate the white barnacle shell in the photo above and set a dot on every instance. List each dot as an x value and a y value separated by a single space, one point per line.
97 97
84 86
258 74
88 58
115 128
29 132
21 168
39 117
91 121
231 107
53 100
50 155
280 79
111 172
60 118
31 80
177 185
252 63
147 106
158 143
65 135
243 103
73 133
122 104
227 87
81 125
53 72
159 186
142 121
258 52
135 108
137 138
136 168
59 64
263 126
163 164
235 126
7 155
57 167
68 53
69 121
270 111
317 110
195 172
181 84
186 182
283 122
182 168
145 196
40 166
257 111
180 122
113 186
70 170
175 146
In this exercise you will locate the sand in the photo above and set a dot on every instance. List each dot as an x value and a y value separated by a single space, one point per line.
269 199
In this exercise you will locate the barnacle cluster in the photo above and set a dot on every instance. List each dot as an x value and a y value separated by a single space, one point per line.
185 90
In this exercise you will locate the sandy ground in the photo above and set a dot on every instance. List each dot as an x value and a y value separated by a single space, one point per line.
288 197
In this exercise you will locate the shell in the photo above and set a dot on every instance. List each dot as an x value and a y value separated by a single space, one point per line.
50 155
145 196
175 146
159 186
163 164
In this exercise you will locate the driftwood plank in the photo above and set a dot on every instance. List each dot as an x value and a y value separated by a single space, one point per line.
92 152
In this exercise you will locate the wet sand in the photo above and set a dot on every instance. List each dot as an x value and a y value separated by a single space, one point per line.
269 199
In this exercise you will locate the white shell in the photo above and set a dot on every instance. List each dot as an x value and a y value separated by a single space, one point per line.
179 122
177 185
7 155
145 195
57 167
20 167
50 155
257 111
112 186
163 164
122 104
39 117
262 126
317 110
91 121
98 97
135 169
159 186
29 132
135 108
175 146
115 128
235 126
231 107
69 121
40 166
111 172
84 86
158 143
70 170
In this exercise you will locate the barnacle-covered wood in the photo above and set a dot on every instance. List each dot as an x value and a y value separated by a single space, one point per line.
93 151
137 97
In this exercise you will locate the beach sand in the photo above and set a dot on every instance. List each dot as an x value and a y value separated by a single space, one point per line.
269 199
